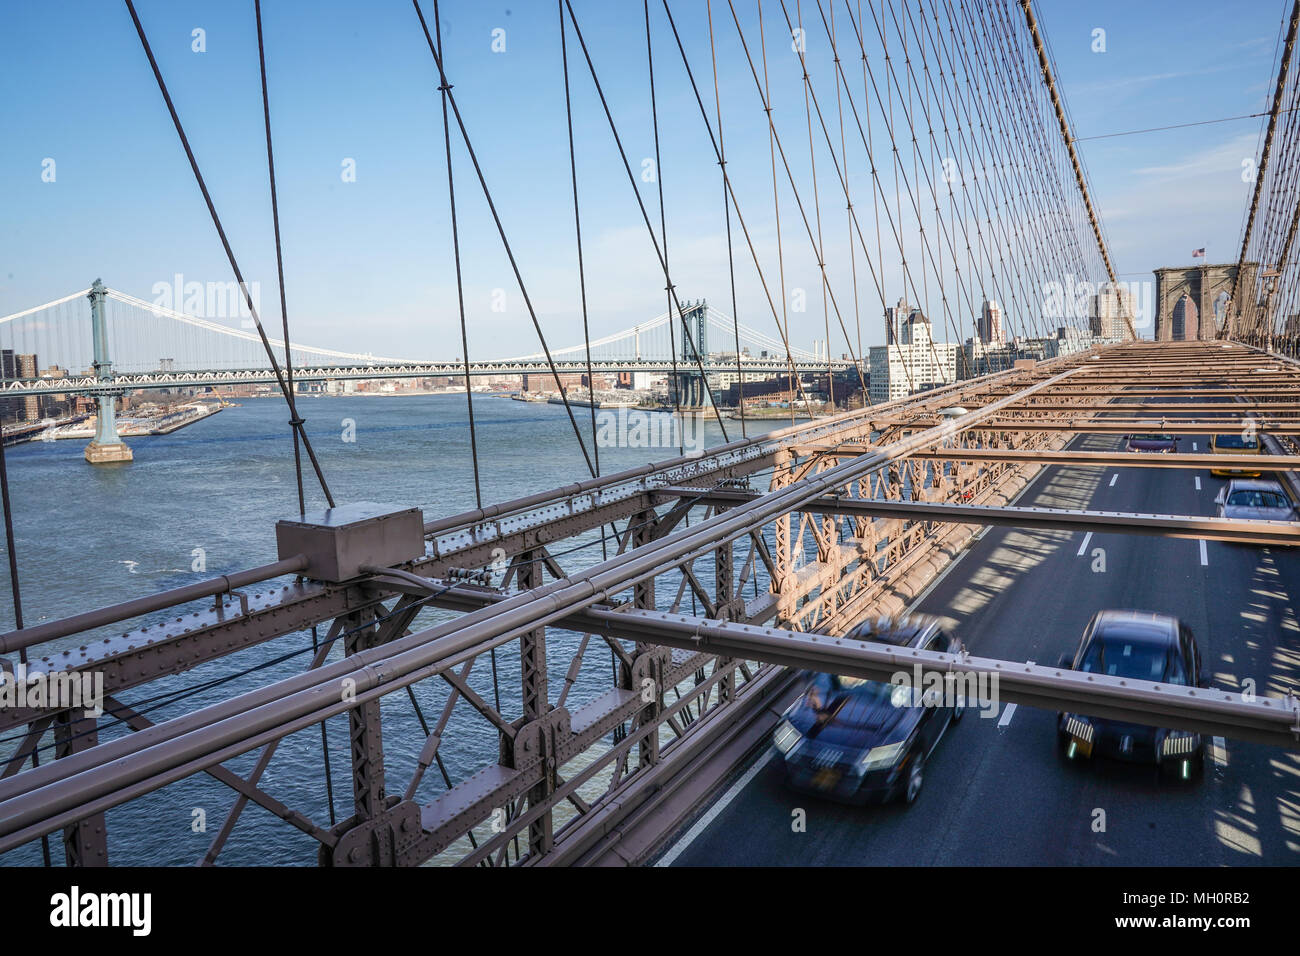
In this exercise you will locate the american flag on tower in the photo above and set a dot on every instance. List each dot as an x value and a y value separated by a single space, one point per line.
1198 252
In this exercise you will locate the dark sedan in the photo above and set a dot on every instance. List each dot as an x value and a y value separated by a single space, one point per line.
1140 646
860 741
1153 443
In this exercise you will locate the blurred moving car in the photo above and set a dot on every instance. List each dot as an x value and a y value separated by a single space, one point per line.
860 741
1234 444
1152 443
1255 500
1141 646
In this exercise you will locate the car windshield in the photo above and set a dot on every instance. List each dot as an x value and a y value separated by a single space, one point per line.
1235 441
1161 438
824 689
1254 498
1122 656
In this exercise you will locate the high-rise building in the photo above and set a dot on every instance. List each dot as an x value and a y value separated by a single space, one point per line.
990 323
1109 306
17 365
895 322
914 364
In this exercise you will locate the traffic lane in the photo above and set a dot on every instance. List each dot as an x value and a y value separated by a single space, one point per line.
1240 601
768 824
1251 605
996 791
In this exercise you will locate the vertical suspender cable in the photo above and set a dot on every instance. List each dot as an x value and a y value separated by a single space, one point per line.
726 212
577 229
296 423
673 391
501 232
444 88
17 599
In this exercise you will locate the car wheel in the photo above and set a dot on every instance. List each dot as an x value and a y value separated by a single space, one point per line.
915 777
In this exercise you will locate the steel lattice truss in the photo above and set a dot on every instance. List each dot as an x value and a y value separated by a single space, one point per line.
712 587
131 381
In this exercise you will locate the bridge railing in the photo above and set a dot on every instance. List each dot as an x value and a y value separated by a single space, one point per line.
566 759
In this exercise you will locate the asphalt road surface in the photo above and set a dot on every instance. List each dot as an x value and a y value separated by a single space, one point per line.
996 791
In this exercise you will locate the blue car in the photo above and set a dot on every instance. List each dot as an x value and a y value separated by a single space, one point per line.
1141 646
859 741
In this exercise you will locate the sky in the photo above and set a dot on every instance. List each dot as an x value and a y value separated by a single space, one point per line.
94 183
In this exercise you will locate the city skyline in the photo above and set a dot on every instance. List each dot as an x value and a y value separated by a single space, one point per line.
401 288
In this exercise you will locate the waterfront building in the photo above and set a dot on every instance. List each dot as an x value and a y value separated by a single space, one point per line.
914 364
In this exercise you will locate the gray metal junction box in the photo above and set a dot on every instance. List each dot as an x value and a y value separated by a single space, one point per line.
338 541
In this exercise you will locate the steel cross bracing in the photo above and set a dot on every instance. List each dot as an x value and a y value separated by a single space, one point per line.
862 511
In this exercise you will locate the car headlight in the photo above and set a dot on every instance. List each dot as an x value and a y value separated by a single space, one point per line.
785 737
879 757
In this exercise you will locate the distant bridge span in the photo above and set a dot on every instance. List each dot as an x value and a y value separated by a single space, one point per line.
156 347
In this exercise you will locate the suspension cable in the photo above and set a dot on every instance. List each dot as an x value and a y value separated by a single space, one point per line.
297 420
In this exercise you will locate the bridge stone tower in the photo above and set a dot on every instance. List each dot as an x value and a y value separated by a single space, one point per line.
1208 288
107 446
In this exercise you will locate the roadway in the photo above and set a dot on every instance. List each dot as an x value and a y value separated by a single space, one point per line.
996 791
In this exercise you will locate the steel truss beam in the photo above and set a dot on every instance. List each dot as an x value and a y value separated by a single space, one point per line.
1274 533
829 594
1103 459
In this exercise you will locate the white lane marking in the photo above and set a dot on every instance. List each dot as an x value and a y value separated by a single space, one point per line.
1198 482
1205 558
703 822
1006 715
1113 479
1219 752
1083 546
1193 446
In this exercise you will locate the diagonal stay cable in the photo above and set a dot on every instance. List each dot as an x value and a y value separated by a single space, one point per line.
297 421
505 242
444 88
618 141
796 385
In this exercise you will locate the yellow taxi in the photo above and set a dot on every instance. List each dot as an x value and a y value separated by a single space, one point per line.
1235 444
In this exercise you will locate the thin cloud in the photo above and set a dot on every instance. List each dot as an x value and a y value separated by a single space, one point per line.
1127 82
1214 161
